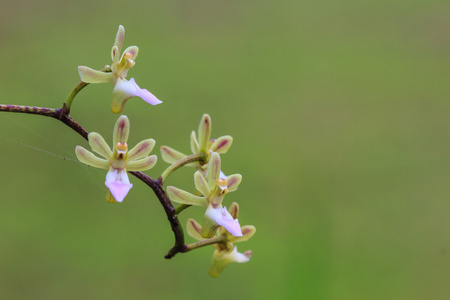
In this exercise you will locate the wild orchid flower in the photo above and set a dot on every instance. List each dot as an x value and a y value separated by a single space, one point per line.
203 144
119 160
213 188
123 89
225 252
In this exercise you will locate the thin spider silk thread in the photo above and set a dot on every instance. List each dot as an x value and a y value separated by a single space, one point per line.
84 167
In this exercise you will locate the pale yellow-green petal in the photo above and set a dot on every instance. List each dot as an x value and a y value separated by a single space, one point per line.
204 132
194 143
89 75
133 50
193 229
142 164
121 130
115 55
213 170
120 36
247 232
170 155
183 197
234 210
98 145
142 149
201 184
88 158
222 144
233 181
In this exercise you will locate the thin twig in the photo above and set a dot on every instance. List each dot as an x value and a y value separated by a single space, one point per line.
182 162
216 240
81 85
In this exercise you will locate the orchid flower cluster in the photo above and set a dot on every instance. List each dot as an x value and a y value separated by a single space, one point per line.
220 226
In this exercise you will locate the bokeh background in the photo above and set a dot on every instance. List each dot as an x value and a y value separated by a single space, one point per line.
340 116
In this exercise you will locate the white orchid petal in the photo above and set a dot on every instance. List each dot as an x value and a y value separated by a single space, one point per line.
215 216
145 94
124 90
238 257
230 224
118 184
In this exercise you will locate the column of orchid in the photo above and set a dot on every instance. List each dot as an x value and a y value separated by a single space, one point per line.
220 227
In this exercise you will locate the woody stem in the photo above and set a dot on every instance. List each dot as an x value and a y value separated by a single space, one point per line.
62 114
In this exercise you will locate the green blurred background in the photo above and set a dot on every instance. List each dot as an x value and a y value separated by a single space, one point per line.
340 116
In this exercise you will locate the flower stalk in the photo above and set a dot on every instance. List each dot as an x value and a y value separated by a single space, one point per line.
215 240
182 162
181 207
81 85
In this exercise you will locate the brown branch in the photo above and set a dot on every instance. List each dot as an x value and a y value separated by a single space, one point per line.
56 113
34 110
170 212
62 114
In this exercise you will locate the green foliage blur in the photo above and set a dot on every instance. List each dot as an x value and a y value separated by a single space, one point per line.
340 116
